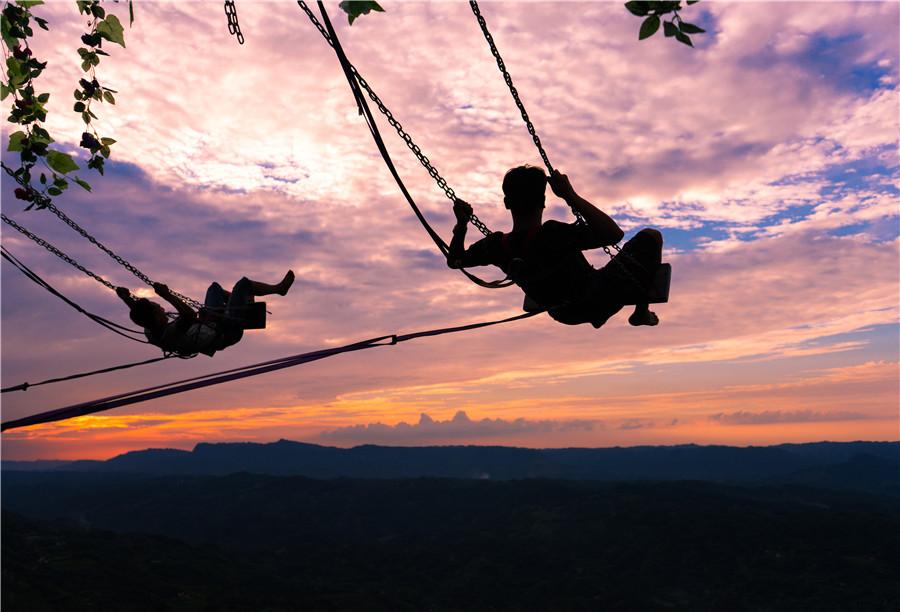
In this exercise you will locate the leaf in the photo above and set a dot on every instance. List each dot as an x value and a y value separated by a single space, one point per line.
636 7
39 134
15 141
43 98
109 97
4 91
131 13
649 27
61 162
690 2
83 184
5 32
54 191
13 67
355 8
690 28
670 29
683 38
108 141
29 3
79 107
112 30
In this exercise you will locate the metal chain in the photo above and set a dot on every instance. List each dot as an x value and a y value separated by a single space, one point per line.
515 93
119 259
537 140
40 241
44 202
234 27
394 123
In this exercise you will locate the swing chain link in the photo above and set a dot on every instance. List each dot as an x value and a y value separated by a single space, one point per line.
394 123
515 93
45 203
41 242
234 28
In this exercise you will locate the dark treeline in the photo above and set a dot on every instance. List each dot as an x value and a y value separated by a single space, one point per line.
100 541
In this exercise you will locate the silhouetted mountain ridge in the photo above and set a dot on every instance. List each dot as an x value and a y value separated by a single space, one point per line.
867 466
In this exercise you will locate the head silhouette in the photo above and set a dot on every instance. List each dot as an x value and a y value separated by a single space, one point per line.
147 314
523 189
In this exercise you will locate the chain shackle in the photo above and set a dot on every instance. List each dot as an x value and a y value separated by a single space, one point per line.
234 28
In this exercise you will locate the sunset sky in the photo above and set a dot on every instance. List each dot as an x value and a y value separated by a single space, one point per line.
767 156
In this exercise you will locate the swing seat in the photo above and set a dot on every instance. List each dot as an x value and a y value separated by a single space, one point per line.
658 291
252 316
255 316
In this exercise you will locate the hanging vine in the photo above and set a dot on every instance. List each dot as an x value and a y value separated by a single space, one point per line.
44 172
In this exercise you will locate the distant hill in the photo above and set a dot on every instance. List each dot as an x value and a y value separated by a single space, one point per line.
865 466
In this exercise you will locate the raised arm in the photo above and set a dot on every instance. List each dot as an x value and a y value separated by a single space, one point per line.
185 312
605 229
457 252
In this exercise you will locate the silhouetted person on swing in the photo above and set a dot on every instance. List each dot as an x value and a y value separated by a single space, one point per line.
219 325
545 258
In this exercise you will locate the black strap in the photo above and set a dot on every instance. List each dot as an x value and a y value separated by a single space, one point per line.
382 148
143 395
123 331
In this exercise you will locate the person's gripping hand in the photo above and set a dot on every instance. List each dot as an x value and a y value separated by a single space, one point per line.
560 185
462 210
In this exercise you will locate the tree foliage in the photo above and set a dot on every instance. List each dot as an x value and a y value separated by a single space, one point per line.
653 13
32 141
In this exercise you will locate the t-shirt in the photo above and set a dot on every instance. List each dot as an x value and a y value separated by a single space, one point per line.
186 338
547 263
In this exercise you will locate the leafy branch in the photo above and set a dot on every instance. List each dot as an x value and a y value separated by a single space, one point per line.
653 13
29 108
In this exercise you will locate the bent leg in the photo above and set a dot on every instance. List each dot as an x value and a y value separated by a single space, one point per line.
645 249
216 296
259 289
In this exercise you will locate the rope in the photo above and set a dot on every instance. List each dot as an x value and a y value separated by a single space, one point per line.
110 325
26 385
382 148
46 203
198 382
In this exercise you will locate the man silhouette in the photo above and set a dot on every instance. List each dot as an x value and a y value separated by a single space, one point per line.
545 259
220 323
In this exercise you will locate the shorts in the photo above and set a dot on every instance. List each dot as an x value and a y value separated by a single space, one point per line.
621 281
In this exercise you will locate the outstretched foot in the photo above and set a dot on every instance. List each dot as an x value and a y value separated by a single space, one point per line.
285 283
645 317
